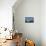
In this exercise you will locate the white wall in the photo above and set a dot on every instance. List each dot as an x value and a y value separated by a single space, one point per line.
30 8
6 13
43 22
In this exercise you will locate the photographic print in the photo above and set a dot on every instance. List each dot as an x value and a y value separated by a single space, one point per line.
29 19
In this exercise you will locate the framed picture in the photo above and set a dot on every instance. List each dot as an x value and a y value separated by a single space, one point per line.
29 19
